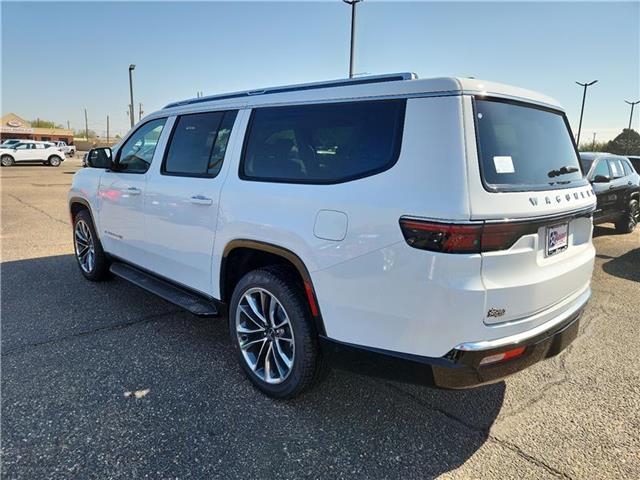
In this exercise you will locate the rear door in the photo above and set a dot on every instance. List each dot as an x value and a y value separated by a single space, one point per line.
618 187
527 186
605 200
181 209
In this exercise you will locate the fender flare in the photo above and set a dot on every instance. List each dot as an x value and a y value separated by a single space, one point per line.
288 255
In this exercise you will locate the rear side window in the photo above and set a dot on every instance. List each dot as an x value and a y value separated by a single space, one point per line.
628 169
198 144
615 166
327 143
522 147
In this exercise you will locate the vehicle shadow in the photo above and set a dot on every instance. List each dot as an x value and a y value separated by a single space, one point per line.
73 351
604 229
626 266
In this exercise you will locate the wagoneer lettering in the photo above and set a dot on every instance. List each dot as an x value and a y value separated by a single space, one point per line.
441 224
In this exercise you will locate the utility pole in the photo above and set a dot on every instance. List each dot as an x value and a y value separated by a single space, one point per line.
633 104
593 146
584 96
107 129
86 125
68 125
132 115
353 33
140 112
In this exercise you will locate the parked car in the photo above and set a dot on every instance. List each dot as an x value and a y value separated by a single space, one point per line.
635 161
31 152
435 231
617 188
67 149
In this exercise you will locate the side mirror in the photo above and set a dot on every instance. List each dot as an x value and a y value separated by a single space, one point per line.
99 157
601 179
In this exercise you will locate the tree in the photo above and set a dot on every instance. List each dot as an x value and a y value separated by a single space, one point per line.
39 123
627 143
83 134
591 147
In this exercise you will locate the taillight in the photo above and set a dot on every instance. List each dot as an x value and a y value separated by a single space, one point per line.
442 237
464 238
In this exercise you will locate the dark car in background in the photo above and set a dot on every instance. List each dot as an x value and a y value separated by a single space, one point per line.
635 161
617 187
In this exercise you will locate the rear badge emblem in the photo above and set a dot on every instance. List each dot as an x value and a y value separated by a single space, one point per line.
496 312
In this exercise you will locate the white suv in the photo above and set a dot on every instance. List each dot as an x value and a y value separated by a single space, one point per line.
31 151
435 231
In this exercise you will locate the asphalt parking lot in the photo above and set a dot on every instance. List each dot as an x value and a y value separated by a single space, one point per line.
74 355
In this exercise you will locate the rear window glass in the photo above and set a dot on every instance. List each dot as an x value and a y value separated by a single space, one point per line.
326 143
524 147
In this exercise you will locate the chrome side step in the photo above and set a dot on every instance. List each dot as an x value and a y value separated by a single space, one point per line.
190 301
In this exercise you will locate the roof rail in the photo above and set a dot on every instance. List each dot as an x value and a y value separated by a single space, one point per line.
390 77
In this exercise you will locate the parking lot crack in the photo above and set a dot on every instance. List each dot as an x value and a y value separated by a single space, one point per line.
37 209
482 431
119 326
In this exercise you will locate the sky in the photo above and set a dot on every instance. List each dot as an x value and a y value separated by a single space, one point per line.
59 58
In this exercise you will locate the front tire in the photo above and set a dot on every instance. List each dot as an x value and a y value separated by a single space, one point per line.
54 161
630 219
272 333
92 260
6 160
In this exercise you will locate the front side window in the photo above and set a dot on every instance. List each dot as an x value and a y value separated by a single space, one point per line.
602 169
137 152
327 143
198 144
523 147
22 146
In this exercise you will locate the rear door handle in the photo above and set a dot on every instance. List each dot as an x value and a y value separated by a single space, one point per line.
629 182
132 190
200 200
611 187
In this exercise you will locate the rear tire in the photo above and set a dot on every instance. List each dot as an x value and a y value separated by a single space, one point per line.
6 160
270 317
630 219
92 260
54 161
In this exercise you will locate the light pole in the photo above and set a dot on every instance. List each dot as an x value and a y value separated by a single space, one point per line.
584 96
132 67
633 104
353 33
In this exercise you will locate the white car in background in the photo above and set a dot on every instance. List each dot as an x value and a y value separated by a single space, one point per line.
30 151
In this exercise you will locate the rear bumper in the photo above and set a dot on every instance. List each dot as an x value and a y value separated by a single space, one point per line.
460 368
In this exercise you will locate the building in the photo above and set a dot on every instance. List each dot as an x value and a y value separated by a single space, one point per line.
12 126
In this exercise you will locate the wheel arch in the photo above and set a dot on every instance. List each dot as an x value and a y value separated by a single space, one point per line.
78 203
230 273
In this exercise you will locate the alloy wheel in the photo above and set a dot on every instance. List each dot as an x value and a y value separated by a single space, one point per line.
85 249
265 336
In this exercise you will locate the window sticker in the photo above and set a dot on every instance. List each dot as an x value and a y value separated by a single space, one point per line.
503 164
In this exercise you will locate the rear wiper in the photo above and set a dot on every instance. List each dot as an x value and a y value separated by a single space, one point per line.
562 171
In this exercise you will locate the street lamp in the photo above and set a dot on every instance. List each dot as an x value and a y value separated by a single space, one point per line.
633 104
584 96
132 67
353 33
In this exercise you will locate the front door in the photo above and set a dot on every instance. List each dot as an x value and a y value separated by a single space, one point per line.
181 210
121 193
22 152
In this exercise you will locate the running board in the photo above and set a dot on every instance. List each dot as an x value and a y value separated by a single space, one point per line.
192 302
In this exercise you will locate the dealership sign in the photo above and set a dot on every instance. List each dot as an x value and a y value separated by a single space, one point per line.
15 126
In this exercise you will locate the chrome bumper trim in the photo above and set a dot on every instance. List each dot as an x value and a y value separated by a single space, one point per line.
578 304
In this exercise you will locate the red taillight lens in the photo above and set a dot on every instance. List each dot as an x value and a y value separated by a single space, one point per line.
442 237
463 238
501 236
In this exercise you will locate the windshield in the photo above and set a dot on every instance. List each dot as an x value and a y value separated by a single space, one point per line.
524 147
